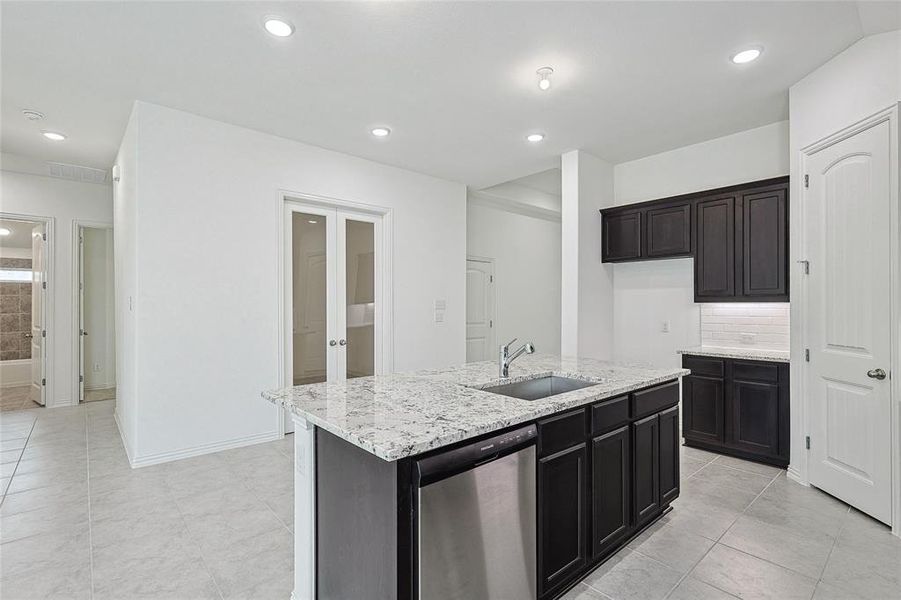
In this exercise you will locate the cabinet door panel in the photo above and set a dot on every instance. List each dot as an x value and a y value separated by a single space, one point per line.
669 455
668 231
715 258
562 525
754 417
611 488
764 244
621 236
703 401
645 468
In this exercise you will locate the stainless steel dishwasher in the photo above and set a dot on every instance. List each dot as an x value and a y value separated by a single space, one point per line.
476 520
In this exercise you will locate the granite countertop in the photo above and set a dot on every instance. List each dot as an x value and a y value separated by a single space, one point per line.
400 415
749 353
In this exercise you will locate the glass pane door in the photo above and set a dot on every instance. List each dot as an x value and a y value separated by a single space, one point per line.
358 243
309 266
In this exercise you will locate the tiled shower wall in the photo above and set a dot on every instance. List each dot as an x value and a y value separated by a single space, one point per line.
15 313
762 325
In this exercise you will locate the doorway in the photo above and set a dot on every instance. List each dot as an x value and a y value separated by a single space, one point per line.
24 272
851 192
95 307
336 293
480 306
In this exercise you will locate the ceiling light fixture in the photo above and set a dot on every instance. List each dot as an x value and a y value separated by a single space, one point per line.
32 115
53 135
381 132
746 56
4 231
312 222
535 137
544 78
278 26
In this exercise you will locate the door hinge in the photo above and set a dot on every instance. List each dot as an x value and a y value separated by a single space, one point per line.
44 285
80 378
807 181
490 322
491 279
43 381
43 333
44 236
806 354
807 442
806 264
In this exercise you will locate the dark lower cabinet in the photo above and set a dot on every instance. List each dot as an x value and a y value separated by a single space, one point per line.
646 472
669 455
611 483
743 412
562 516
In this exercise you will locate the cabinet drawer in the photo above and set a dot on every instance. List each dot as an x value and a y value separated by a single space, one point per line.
655 399
756 371
711 367
561 431
609 414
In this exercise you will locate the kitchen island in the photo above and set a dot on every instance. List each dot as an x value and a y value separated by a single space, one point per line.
607 466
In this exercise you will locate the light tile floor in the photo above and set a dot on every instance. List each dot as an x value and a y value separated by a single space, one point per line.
16 398
743 530
77 522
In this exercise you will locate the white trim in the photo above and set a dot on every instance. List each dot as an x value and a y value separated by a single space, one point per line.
384 266
6 382
125 442
799 368
48 304
304 509
77 225
489 200
164 457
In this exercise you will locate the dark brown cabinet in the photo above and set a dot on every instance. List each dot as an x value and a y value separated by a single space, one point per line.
562 515
611 473
669 454
743 411
646 456
622 236
737 235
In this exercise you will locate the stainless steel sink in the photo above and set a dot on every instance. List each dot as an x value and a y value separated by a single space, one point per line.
541 387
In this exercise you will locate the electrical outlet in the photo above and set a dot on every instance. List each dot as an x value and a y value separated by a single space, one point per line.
665 327
440 308
96 367
747 338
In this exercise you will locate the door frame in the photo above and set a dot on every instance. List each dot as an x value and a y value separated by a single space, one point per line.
493 298
384 268
47 305
77 226
799 367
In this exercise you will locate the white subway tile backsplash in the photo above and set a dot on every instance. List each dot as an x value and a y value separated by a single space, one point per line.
725 325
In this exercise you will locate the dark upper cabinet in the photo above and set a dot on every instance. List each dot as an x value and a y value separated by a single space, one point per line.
669 454
737 235
611 493
562 516
621 235
715 258
646 468
764 244
668 231
743 412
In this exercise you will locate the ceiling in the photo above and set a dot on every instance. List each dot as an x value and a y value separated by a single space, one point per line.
455 81
20 236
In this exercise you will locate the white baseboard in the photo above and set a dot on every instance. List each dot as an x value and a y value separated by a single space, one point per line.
795 476
15 373
129 452
99 386
164 457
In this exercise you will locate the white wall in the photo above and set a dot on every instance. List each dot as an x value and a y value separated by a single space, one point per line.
587 284
206 299
526 253
647 294
99 315
64 201
859 82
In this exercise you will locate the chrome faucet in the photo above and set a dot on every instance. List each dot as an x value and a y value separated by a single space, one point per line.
506 357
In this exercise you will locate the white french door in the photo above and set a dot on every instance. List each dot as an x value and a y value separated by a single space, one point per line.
333 299
847 206
38 304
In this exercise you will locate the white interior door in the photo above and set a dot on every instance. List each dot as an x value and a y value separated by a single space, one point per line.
38 268
480 342
848 204
81 321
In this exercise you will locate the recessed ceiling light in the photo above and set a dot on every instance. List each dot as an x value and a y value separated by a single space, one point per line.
278 27
53 135
746 56
312 222
535 137
32 115
544 78
4 231
381 132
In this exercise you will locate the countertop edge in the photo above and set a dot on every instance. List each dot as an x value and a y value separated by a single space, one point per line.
762 355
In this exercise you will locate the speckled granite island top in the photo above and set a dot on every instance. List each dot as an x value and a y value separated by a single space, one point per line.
747 353
395 416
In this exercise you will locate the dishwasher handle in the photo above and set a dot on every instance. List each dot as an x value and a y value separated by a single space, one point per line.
442 465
